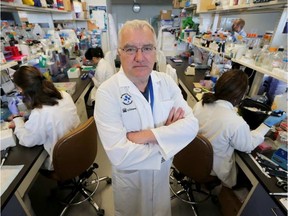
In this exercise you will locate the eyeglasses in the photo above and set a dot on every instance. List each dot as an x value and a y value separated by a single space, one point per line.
132 50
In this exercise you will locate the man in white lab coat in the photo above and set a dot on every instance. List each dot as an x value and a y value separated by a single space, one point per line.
143 121
238 32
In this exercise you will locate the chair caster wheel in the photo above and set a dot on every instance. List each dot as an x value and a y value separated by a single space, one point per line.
109 181
101 212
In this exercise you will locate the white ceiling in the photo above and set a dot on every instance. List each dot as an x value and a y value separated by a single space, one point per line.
142 2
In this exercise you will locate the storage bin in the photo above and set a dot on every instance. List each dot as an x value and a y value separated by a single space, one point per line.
253 118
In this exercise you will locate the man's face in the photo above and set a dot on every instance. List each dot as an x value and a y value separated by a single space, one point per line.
137 52
236 27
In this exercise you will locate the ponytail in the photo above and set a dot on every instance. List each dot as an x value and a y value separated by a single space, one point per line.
208 98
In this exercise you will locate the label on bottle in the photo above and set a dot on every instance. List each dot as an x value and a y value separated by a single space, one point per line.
276 64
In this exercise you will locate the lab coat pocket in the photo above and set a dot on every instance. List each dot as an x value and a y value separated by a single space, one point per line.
131 119
127 178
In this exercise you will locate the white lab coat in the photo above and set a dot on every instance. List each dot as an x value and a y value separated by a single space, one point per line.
47 125
103 71
140 181
172 72
236 35
227 131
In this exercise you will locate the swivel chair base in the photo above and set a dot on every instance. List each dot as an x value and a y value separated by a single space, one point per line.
190 188
82 189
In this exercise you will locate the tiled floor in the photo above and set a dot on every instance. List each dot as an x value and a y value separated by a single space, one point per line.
44 205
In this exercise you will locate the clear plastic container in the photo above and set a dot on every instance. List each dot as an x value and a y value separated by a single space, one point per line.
261 55
267 37
285 62
280 102
282 139
267 60
277 58
257 45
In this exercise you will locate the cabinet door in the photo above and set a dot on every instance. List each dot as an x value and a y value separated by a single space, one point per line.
261 204
191 100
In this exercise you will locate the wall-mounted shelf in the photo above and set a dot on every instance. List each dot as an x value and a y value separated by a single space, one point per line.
191 7
8 65
281 75
5 6
73 20
13 63
268 6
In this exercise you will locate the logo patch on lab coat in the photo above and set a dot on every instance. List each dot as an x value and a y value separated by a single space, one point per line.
126 99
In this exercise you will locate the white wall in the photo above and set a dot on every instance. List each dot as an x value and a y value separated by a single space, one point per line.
122 13
259 22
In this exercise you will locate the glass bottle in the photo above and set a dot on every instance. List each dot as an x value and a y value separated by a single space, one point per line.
249 53
285 62
267 60
229 45
261 55
277 58
267 37
256 46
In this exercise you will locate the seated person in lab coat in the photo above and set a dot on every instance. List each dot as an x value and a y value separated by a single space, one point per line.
103 71
238 32
220 123
143 121
53 112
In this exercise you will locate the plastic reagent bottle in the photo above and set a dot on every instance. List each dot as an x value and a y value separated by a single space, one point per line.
261 55
277 58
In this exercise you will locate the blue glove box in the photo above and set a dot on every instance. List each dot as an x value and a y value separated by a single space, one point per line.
280 157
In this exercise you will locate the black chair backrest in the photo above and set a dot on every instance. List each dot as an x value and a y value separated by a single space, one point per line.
76 151
195 160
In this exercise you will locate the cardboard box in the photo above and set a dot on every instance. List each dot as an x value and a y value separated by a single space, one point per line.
182 4
211 7
67 5
165 14
86 14
84 6
91 26
176 4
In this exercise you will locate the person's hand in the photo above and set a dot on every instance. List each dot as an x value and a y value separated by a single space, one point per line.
275 118
11 125
175 115
19 96
12 106
91 74
10 118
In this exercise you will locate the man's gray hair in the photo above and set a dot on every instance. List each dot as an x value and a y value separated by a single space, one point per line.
135 24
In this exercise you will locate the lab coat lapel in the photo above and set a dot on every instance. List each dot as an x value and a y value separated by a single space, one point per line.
139 101
162 101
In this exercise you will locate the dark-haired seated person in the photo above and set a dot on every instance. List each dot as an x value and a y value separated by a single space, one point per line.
103 71
53 112
220 123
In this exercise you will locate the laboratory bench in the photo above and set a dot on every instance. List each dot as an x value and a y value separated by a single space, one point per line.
82 87
33 158
258 200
